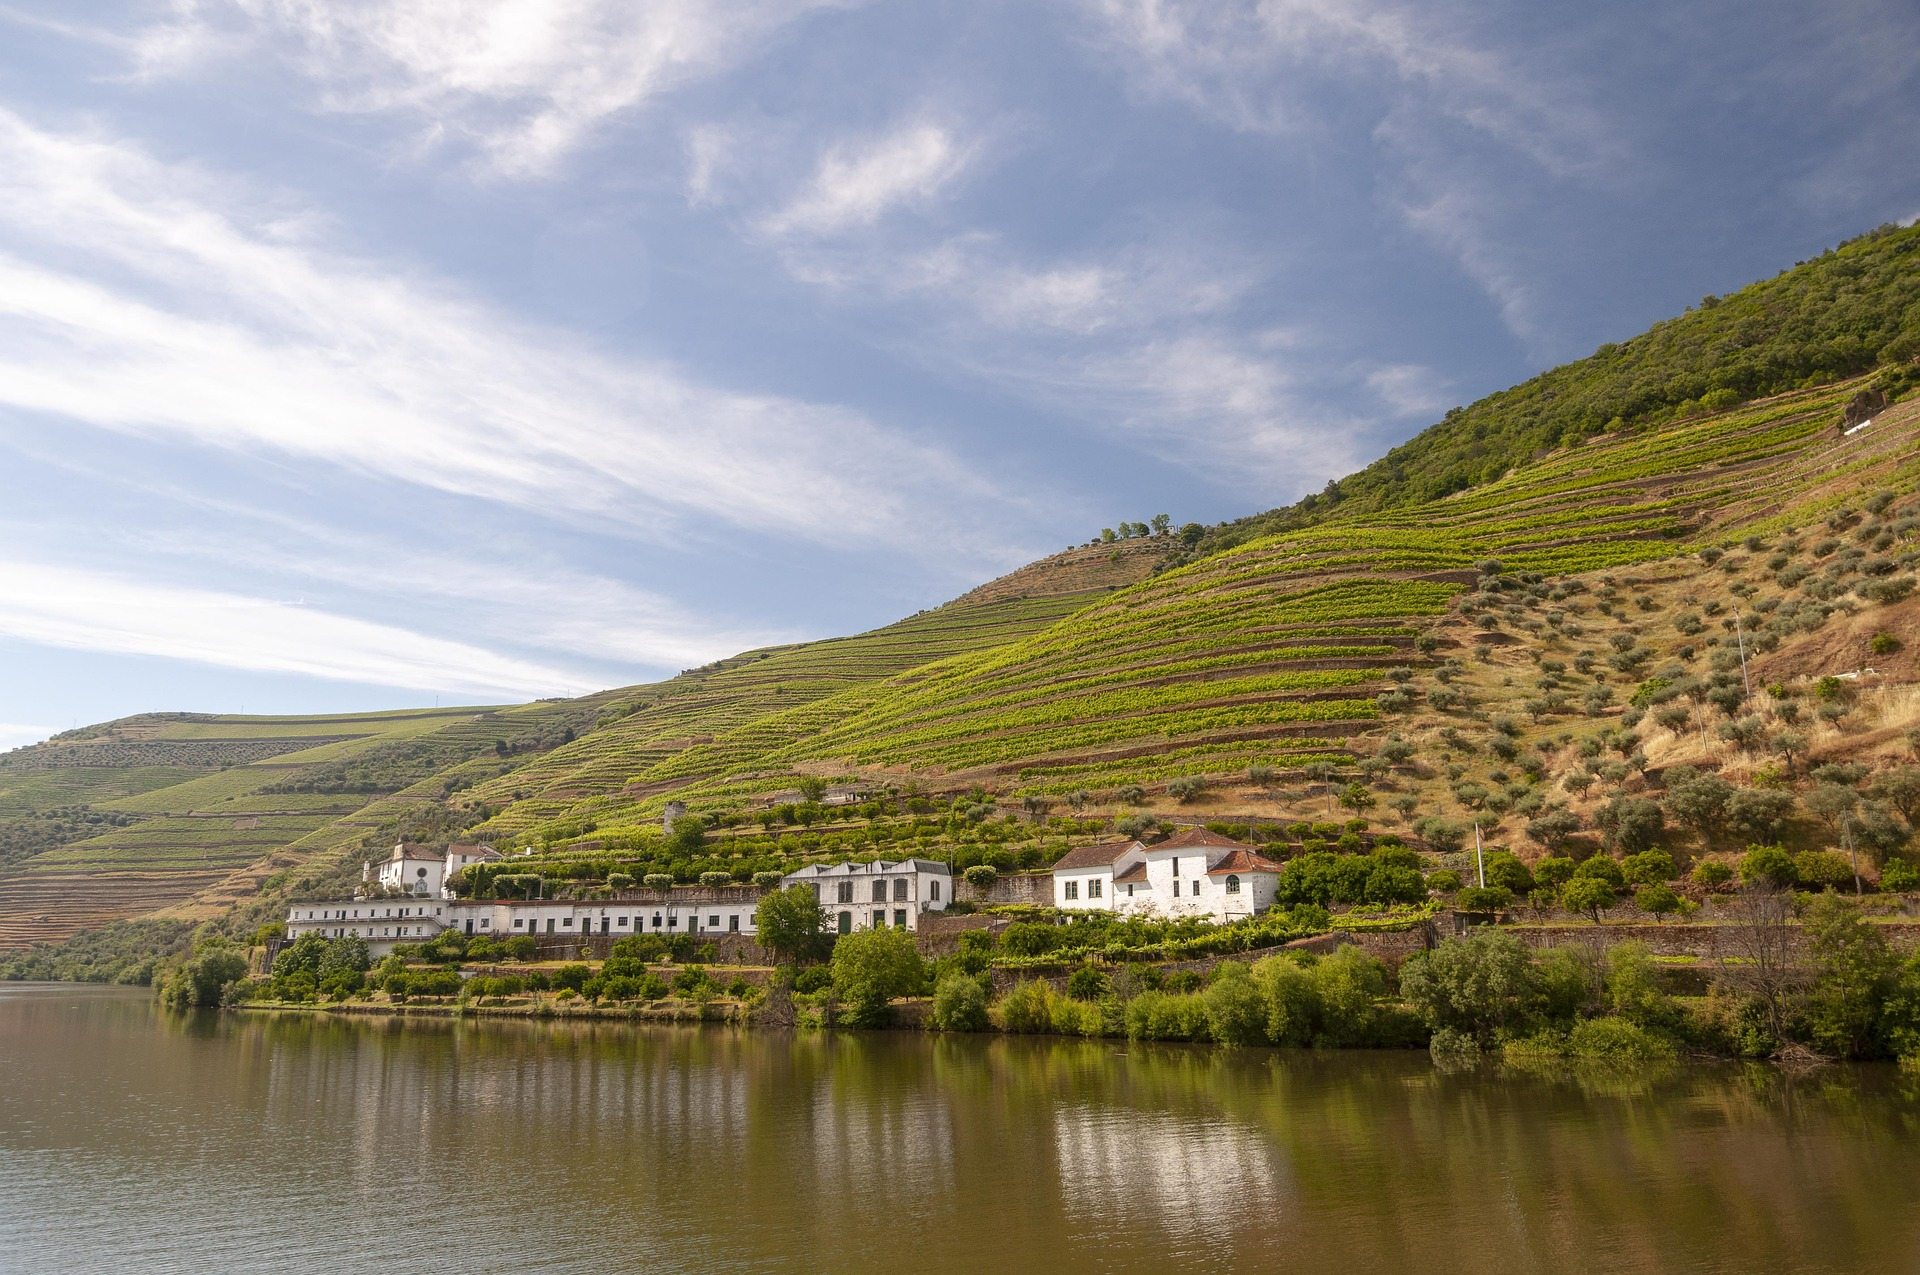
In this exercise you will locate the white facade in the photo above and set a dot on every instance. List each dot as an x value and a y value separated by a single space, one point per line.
1195 873
1083 881
855 896
411 869
881 895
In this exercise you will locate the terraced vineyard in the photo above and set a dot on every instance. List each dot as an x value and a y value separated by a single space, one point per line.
193 823
1224 675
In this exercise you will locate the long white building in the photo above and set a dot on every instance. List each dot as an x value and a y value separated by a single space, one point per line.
408 902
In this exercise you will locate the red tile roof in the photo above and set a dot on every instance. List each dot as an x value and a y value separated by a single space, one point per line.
1242 861
1138 872
1099 855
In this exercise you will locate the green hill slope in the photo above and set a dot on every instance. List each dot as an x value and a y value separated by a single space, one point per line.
1501 620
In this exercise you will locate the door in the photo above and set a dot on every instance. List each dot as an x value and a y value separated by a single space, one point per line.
846 923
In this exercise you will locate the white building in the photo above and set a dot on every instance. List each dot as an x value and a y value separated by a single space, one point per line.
880 895
411 869
855 896
1193 873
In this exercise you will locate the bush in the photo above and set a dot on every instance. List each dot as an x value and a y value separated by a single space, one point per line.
1168 1016
1507 873
960 1003
1491 898
1601 868
1087 984
1445 881
813 979
1030 938
714 880
981 876
1236 1009
1554 871
657 881
621 880
1027 1008
1822 869
767 880
1711 873
1899 875
1768 866
1658 899
1615 1040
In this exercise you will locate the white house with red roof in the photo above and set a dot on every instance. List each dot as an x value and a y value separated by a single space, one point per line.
1192 873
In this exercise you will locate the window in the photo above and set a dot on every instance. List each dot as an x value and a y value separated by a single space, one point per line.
933 890
879 918
1073 889
569 923
1093 888
733 923
846 892
656 920
1129 891
879 891
549 925
1176 867
1233 885
899 918
623 922
518 923
713 923
900 890
1196 887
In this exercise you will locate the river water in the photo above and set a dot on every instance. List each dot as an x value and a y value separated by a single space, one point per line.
135 1141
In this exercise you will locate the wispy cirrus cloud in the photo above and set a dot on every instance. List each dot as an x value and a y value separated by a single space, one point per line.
149 299
520 83
860 180
86 610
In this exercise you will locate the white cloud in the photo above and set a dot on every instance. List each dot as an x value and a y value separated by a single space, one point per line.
1410 389
93 611
20 734
858 182
1228 407
1443 83
141 298
524 82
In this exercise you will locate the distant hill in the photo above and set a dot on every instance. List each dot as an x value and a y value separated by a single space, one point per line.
1519 617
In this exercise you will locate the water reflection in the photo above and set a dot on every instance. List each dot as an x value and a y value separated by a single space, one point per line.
311 1143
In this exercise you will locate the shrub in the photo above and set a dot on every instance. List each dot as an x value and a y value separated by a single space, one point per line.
1491 898
714 880
1601 868
981 876
571 977
960 1003
1615 1040
657 880
1507 873
1087 984
1768 866
1822 869
1235 1007
1030 938
814 978
1027 1008
1445 881
1899 875
767 880
1167 1016
621 880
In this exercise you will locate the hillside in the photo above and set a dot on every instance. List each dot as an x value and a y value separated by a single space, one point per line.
185 816
1679 552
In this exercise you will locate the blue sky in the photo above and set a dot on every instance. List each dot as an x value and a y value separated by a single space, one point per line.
359 355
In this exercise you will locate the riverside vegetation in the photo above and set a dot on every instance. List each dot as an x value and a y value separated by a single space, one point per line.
1644 626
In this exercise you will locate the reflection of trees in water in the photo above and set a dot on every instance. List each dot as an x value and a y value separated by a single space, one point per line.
1369 1156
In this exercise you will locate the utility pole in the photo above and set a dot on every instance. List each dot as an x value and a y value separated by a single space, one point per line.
1479 854
1740 635
1853 855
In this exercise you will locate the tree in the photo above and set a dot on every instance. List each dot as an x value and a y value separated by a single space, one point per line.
1649 867
870 968
1506 872
1900 789
1591 895
1854 969
302 956
1476 985
1631 824
1552 827
1356 796
1832 803
812 787
791 924
344 965
1758 813
1658 899
202 979
1161 523
1480 900
689 834
1698 801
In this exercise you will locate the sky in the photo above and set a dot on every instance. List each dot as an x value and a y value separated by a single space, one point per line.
362 355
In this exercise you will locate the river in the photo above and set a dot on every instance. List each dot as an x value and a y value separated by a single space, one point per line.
132 1140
